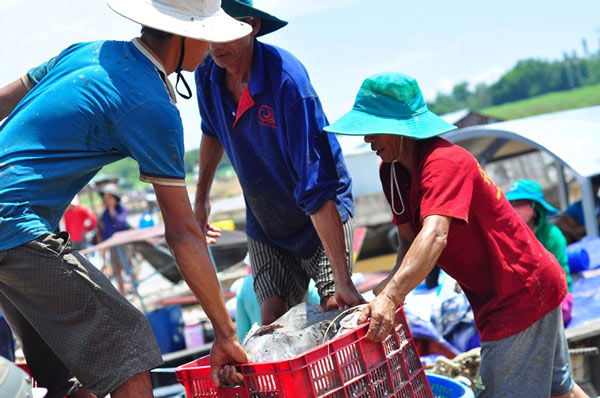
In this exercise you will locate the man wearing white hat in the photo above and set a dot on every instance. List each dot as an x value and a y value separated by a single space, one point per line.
93 104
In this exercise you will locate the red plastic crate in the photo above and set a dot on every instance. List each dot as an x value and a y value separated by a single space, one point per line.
347 367
23 366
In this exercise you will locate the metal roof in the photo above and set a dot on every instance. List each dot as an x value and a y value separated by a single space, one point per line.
572 137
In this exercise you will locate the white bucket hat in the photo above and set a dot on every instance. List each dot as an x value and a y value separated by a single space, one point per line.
196 19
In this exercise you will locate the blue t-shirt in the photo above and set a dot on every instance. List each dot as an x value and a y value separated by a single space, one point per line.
576 211
287 166
94 104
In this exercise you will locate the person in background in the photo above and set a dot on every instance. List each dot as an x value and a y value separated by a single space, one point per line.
79 220
257 104
457 217
571 221
114 219
247 306
527 198
92 105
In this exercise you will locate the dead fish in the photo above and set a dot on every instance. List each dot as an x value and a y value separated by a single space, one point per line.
299 330
279 344
304 315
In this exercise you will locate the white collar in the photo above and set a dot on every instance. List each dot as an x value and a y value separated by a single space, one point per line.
148 53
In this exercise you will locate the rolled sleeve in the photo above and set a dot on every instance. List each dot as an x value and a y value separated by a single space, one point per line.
311 155
207 129
36 74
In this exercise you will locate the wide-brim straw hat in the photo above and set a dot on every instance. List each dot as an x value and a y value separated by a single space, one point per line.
245 8
196 19
390 103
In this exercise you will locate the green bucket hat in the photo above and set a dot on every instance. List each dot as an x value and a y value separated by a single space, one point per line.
529 190
245 8
390 103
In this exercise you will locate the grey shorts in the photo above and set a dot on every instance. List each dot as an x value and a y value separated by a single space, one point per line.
533 363
278 273
75 328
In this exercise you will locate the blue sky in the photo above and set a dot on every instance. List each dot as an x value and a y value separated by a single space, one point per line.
341 42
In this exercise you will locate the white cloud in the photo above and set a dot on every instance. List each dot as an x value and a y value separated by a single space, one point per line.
8 5
407 61
286 9
488 76
445 83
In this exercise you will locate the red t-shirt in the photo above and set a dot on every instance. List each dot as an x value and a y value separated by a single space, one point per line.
75 219
510 279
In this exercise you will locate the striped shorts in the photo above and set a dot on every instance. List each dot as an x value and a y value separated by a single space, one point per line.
278 273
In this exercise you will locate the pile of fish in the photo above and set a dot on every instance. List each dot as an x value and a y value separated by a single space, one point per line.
299 330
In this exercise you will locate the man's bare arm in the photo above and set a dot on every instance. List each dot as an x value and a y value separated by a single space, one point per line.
188 245
211 153
10 96
328 224
418 262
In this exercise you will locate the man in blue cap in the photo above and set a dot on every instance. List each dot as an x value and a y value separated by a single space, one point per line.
527 198
257 104
93 104
456 216
571 221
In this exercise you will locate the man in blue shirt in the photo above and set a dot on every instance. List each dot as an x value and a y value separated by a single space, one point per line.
93 104
257 104
571 221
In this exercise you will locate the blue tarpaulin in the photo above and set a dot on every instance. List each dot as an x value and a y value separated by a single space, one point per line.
586 292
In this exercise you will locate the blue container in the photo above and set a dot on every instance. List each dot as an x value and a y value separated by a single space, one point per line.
444 387
167 325
578 258
584 255
146 221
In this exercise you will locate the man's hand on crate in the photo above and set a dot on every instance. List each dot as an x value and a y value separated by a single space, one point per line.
346 296
381 313
225 351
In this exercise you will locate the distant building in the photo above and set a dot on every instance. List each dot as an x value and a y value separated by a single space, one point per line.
467 117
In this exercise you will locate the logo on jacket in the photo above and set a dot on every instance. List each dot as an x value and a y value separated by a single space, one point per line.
267 116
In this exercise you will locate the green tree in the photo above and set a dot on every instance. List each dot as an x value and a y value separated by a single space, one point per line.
529 78
480 97
443 104
461 93
191 159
